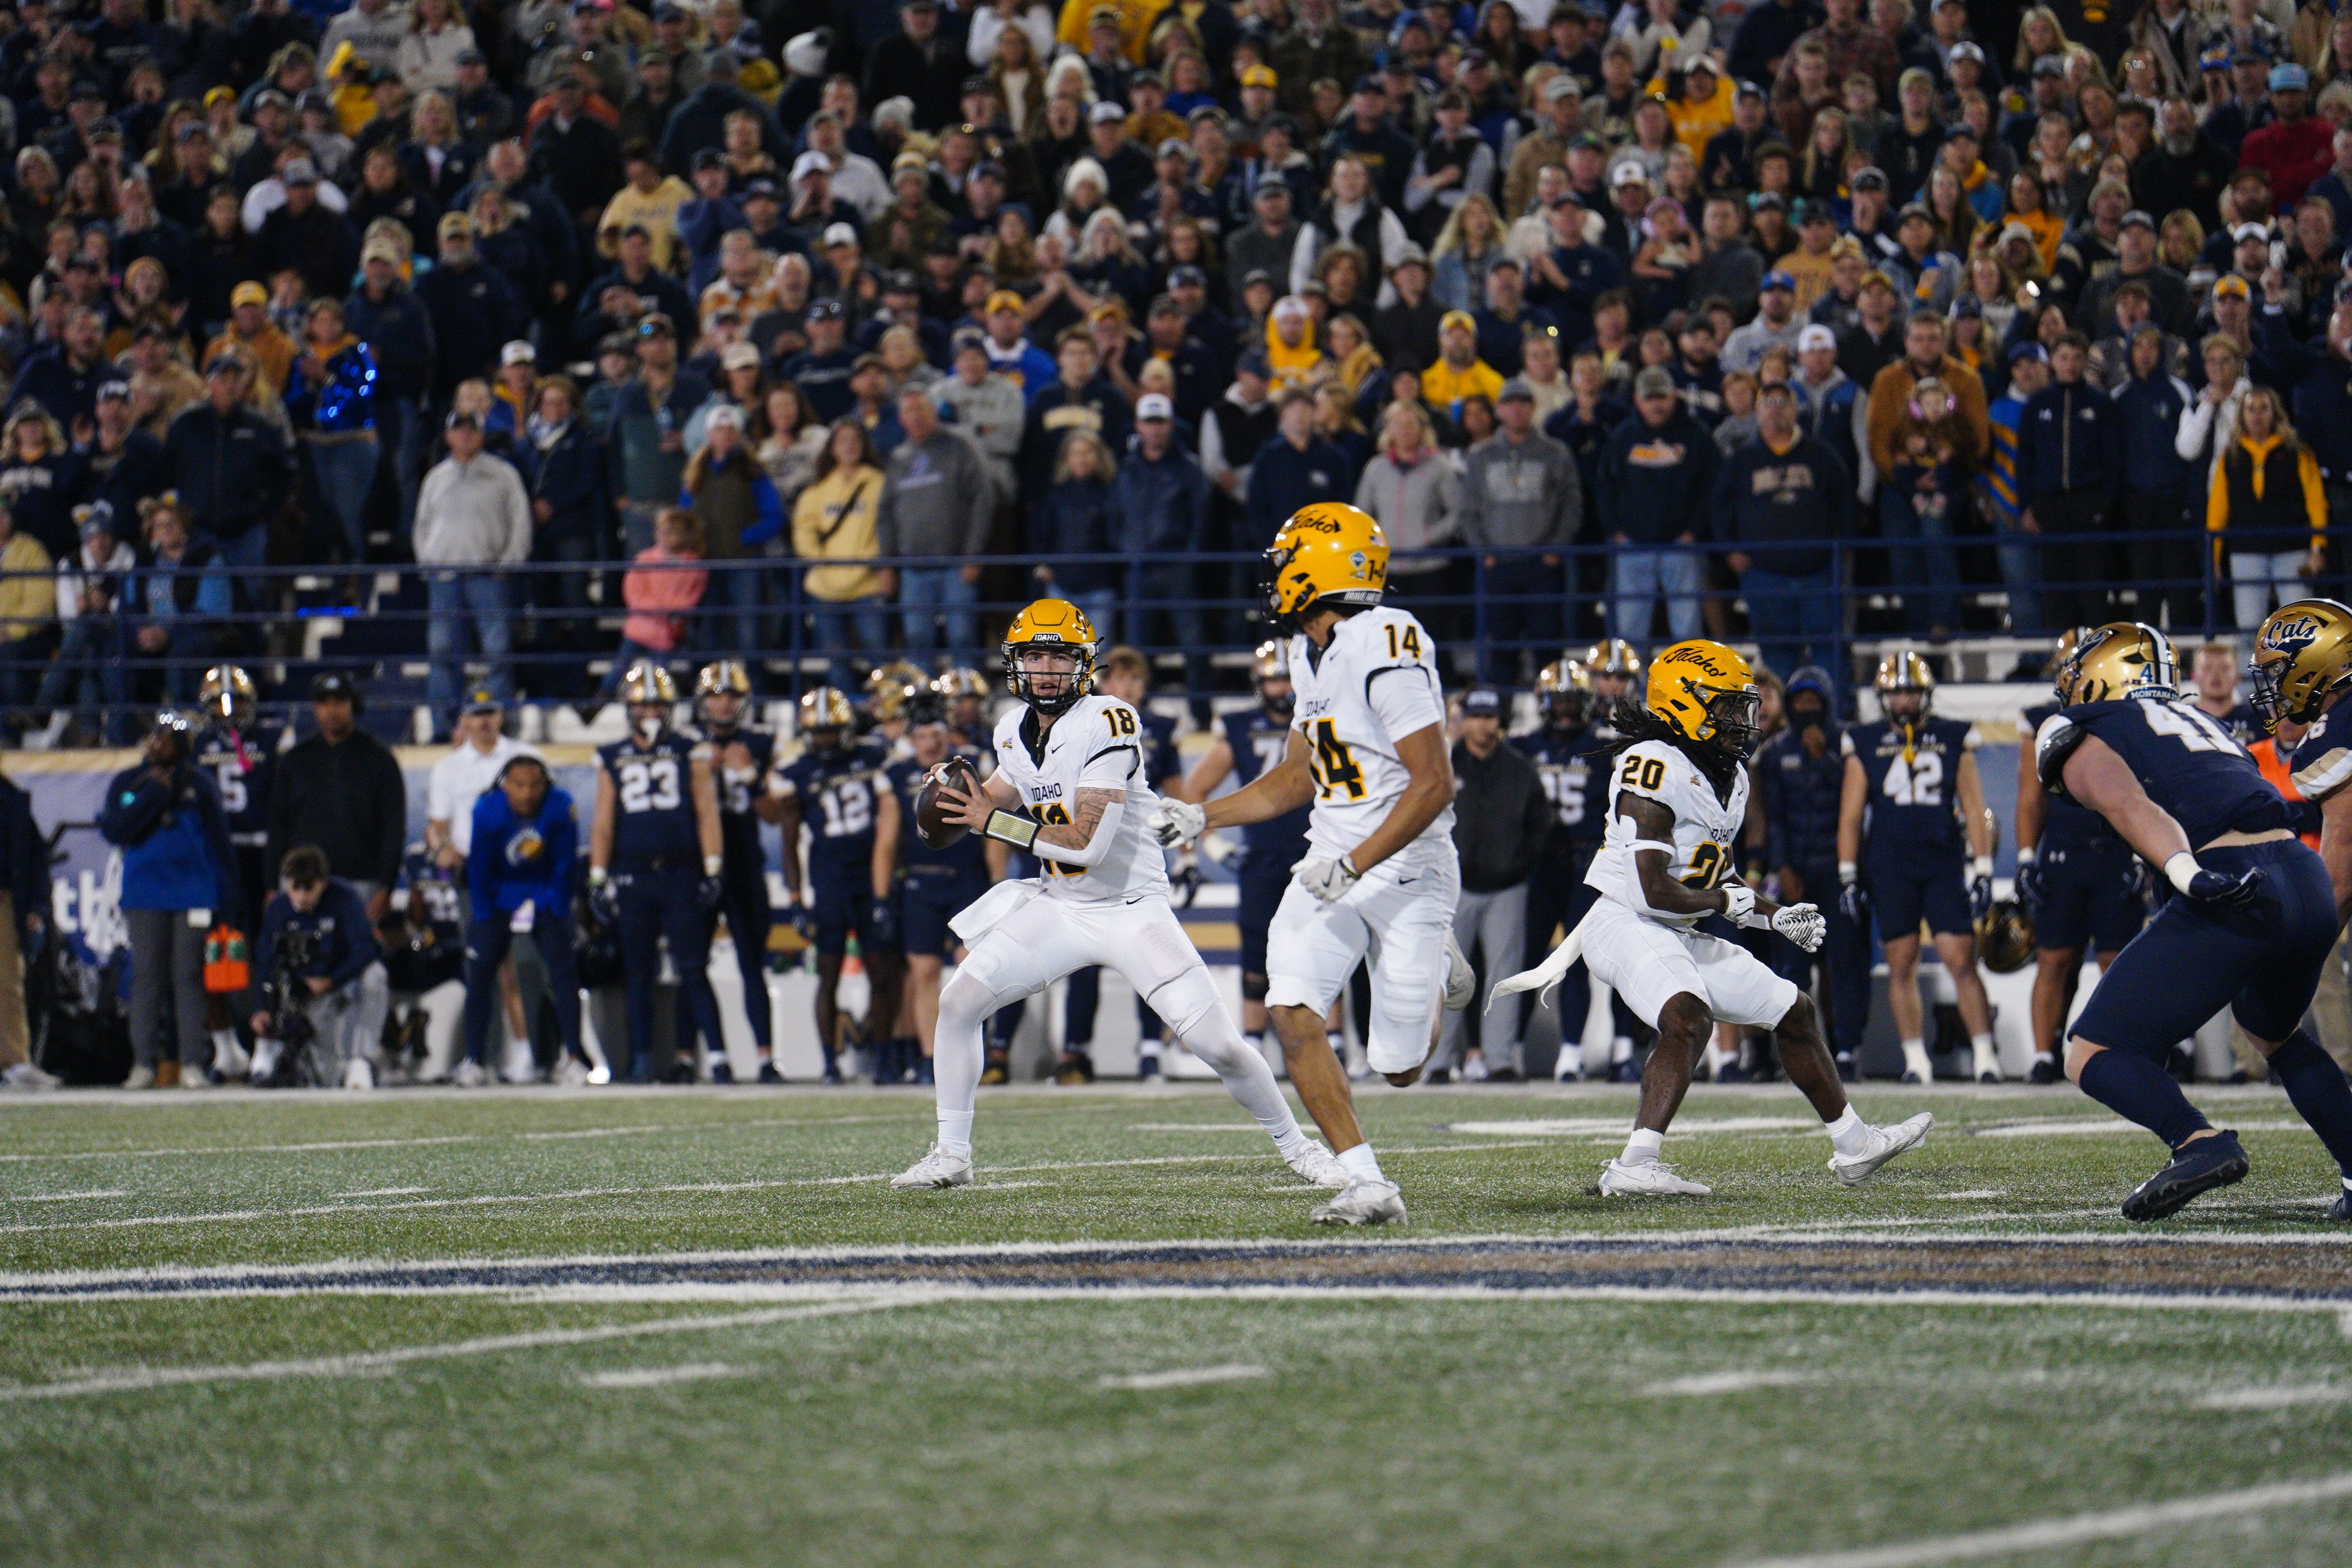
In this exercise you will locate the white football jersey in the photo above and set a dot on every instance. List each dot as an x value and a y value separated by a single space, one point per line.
1706 829
1377 682
1097 744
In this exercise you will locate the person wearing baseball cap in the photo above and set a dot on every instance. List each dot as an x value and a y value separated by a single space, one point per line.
2295 148
1654 486
251 329
1827 395
1459 372
1775 325
339 789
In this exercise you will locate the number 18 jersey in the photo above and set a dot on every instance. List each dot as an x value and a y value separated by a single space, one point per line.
1097 744
1356 699
1707 827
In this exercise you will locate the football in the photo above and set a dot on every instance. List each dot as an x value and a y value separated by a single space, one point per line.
932 821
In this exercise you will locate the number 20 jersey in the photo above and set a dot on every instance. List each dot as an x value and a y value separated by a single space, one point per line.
1707 827
1097 744
1374 684
653 797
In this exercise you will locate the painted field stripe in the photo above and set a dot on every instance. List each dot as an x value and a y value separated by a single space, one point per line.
2045 1535
76 1197
1703 1384
1572 1127
367 1363
1978 1194
382 1192
661 1376
2285 1398
1185 1377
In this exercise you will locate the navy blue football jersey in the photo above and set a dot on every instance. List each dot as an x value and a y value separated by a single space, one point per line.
738 828
244 780
433 890
2322 763
2185 761
652 795
1575 779
836 793
2064 824
1258 744
1162 759
1912 804
967 854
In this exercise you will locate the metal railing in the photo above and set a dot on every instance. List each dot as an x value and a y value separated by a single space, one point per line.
551 632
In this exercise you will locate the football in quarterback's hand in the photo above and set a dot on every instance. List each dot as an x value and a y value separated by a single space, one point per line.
932 823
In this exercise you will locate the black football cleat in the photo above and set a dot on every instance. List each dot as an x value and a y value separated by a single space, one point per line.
2045 1071
2341 1210
1848 1070
1438 1075
768 1073
1506 1075
997 1069
1075 1068
721 1073
2198 1166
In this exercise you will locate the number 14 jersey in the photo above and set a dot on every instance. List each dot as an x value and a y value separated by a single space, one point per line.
1372 686
1707 827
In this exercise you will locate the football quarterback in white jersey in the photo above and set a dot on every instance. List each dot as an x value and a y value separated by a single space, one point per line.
1069 788
1677 798
1368 750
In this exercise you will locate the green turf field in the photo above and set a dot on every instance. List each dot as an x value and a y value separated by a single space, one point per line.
682 1327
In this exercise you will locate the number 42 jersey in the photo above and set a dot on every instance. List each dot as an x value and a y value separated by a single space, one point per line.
1373 685
1707 827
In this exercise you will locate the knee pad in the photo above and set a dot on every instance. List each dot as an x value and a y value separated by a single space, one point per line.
1253 987
1190 1006
1405 998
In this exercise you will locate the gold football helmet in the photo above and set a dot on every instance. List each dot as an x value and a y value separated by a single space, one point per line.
1272 662
1327 553
1564 692
1704 692
723 678
961 681
229 696
647 682
2115 660
1612 656
2302 654
2005 937
1058 625
823 717
887 688
1904 672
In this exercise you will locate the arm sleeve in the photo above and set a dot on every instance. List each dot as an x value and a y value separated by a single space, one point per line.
2190 440
1106 832
359 945
131 811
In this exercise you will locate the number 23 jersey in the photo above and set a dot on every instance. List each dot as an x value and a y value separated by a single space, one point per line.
1356 699
653 796
1707 827
1097 744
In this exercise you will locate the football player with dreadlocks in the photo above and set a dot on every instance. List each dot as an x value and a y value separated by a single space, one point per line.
2258 912
1914 777
1677 804
1069 788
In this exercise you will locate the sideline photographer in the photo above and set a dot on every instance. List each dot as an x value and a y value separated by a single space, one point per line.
317 953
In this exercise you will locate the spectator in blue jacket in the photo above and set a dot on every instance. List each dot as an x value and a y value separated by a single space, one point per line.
179 601
1296 469
525 850
231 465
1780 496
2069 467
1161 500
475 311
349 992
2317 379
330 399
1656 478
1078 515
2158 482
1798 777
563 471
178 876
63 378
398 331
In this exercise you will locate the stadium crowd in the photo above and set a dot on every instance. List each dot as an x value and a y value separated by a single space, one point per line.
1637 309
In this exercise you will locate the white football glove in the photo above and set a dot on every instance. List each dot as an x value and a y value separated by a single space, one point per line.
1738 902
1176 823
1326 880
1800 923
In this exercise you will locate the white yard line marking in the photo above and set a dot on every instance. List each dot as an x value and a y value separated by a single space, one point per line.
1974 1195
660 1376
382 1192
2273 1398
2045 1535
73 1197
1702 1383
1580 1126
1190 1378
368 1364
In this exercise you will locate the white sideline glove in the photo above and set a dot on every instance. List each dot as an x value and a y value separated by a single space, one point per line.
1802 924
1738 902
1326 880
1176 823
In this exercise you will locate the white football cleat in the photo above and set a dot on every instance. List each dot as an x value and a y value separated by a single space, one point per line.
1652 1179
600 1075
573 1074
358 1074
265 1060
26 1075
1461 981
937 1169
469 1074
230 1059
1320 1167
1885 1143
1363 1203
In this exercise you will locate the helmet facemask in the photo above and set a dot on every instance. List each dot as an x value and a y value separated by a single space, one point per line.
1063 668
1737 718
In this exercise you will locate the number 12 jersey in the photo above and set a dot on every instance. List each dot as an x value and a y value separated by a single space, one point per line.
1372 686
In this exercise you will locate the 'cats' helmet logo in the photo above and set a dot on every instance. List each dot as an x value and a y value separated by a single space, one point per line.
1704 692
2116 659
525 848
1904 672
648 682
2005 937
1327 553
2302 654
1054 623
229 696
1564 692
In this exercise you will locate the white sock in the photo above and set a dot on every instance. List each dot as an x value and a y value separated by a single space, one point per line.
1570 1063
2041 1057
1336 1041
955 1131
1716 1056
1987 1060
1620 1049
1643 1147
1147 1050
1849 1132
1360 1164
1915 1062
956 1060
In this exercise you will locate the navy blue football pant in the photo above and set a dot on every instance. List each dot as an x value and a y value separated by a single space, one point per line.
487 942
748 919
1843 959
659 903
1557 898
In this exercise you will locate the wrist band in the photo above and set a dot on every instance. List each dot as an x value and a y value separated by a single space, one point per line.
1980 867
2025 856
2181 870
1008 828
597 876
1847 871
713 864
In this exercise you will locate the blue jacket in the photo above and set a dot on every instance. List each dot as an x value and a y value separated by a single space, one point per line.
1283 479
2069 442
1161 507
1764 498
2319 385
175 841
701 225
516 862
476 311
1077 516
346 941
1656 482
233 468
1799 796
344 402
570 475
68 394
2150 409
399 331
